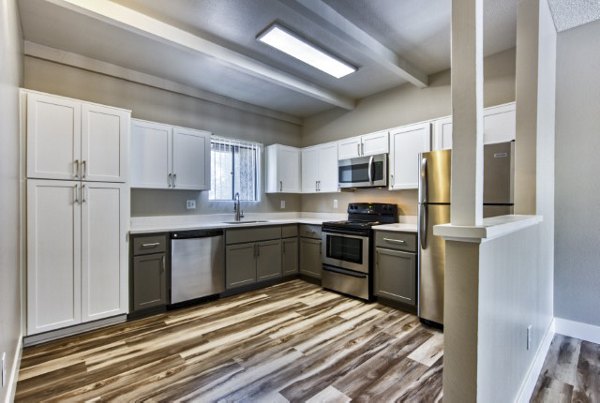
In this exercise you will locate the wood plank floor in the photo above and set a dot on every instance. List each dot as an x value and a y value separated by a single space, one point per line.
571 372
290 342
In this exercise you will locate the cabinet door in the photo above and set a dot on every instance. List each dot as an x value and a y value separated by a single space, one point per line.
104 143
191 159
376 143
288 169
53 137
150 155
395 275
349 148
268 260
406 144
149 281
289 250
500 124
442 134
53 255
328 168
104 218
240 265
310 257
310 169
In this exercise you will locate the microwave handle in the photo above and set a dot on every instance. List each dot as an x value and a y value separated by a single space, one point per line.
371 166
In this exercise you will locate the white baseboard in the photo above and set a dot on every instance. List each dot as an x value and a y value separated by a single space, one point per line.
14 373
528 385
579 330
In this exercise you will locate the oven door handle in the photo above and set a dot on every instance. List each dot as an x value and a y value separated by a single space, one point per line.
344 272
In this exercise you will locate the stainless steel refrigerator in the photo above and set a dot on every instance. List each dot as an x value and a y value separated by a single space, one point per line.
434 209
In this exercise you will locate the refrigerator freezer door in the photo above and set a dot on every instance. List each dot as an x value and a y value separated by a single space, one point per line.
432 259
498 173
434 186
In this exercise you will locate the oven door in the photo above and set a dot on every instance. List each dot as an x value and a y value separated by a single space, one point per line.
363 172
346 251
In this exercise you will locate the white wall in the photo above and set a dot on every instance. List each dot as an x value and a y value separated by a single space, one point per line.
163 106
577 251
10 80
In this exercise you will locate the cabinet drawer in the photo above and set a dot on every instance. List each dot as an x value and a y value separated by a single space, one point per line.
396 240
145 245
252 234
288 231
310 231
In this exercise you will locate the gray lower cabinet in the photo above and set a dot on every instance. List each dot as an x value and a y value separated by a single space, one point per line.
310 257
149 281
268 260
240 266
395 275
289 258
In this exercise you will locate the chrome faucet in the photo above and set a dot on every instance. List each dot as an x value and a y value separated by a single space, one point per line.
239 214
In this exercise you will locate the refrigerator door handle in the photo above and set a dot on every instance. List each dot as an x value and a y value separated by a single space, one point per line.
371 166
423 226
423 181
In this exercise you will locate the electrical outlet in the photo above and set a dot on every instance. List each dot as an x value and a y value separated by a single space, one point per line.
3 369
282 204
529 331
335 203
190 204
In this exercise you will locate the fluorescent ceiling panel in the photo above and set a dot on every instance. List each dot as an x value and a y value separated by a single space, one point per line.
285 41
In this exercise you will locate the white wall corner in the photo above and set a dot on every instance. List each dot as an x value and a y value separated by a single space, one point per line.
528 385
578 330
13 377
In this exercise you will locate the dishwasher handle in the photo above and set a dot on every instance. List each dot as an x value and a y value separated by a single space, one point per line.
201 233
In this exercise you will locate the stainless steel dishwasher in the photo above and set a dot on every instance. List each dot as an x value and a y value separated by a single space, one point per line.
197 264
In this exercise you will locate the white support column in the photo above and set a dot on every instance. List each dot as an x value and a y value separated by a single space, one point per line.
467 112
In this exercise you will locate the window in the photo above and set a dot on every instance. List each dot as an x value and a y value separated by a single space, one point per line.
235 169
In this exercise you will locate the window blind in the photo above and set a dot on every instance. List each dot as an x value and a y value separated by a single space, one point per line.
235 169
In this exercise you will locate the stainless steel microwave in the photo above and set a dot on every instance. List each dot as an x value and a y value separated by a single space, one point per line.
363 172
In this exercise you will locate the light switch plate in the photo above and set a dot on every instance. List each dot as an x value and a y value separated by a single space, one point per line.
190 204
282 204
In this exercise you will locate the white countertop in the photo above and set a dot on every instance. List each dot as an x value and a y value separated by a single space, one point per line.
400 227
147 225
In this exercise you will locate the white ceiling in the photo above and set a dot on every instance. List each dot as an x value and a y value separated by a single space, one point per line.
403 39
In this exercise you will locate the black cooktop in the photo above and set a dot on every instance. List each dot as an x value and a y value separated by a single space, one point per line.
362 216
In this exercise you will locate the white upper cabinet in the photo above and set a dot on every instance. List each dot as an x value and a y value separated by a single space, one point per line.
191 159
150 155
283 169
167 157
499 125
406 143
75 140
364 146
104 143
53 137
320 168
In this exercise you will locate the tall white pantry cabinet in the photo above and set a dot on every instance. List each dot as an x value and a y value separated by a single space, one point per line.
77 210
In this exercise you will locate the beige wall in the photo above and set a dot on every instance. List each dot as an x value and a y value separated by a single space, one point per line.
10 80
162 106
399 106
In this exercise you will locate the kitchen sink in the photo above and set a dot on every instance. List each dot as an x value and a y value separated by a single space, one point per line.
244 222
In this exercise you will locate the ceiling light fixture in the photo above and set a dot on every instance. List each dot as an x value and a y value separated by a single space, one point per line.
291 44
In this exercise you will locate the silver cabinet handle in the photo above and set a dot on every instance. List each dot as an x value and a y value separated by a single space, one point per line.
358 149
174 180
316 186
257 250
169 180
281 186
75 197
362 148
400 241
163 264
76 166
392 179
83 168
83 194
150 245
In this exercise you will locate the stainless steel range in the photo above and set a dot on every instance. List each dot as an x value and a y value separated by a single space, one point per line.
348 248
